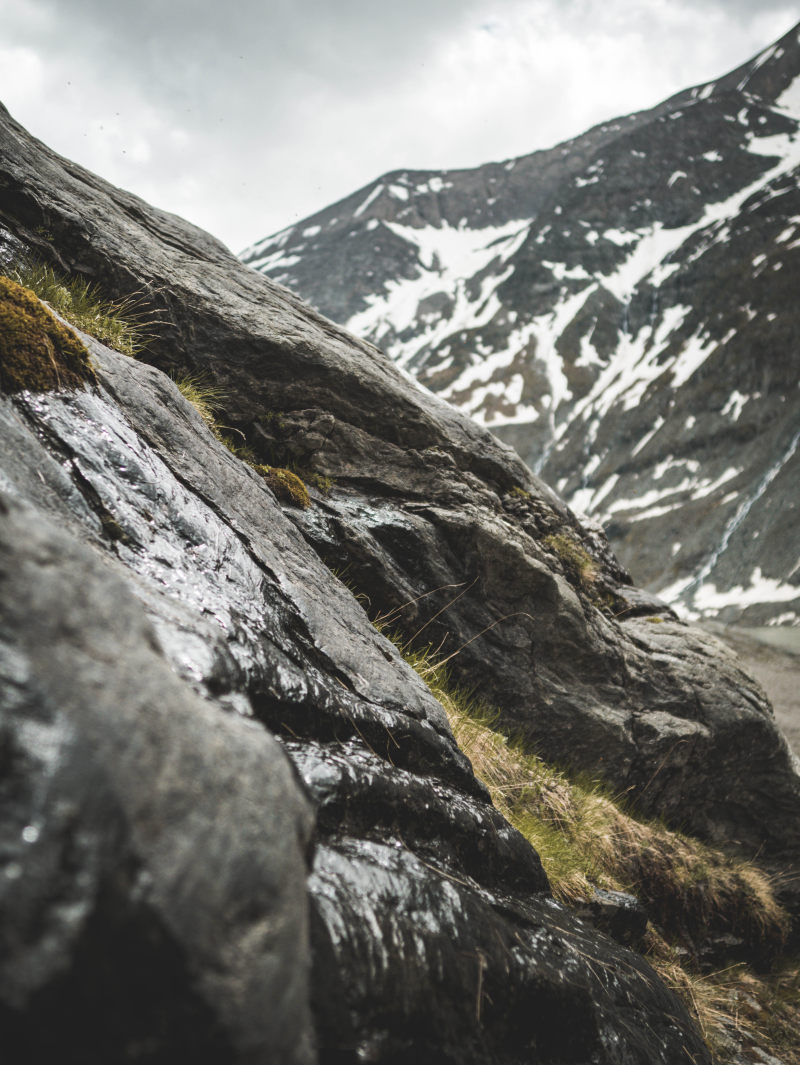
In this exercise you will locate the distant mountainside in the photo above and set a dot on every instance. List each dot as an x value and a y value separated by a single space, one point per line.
623 308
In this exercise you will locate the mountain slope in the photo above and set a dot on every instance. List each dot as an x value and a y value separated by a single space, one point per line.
621 308
236 825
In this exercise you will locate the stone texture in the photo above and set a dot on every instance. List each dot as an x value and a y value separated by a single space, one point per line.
432 932
153 848
171 834
430 510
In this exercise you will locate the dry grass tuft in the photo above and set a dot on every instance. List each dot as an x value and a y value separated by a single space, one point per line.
586 839
206 398
123 324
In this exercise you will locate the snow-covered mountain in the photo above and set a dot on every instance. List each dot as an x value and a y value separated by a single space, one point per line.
624 309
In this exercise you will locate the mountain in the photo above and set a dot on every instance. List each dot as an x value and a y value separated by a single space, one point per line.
236 825
623 310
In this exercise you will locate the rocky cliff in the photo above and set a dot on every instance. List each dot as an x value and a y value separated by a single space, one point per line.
622 309
236 825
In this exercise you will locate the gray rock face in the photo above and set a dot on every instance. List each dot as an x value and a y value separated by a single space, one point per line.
153 848
433 517
622 310
432 934
154 835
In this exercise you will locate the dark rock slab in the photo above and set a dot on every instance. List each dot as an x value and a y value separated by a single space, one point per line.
153 853
616 913
427 510
432 933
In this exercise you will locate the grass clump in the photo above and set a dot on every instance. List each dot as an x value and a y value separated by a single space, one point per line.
121 324
206 398
37 352
576 560
586 839
738 1011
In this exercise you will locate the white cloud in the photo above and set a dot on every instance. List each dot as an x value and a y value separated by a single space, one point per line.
247 116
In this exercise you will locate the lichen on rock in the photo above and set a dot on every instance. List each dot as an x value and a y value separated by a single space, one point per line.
37 352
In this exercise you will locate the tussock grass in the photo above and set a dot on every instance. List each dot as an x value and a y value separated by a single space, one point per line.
737 1009
123 324
586 838
206 397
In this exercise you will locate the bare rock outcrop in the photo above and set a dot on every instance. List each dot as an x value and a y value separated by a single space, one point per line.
167 626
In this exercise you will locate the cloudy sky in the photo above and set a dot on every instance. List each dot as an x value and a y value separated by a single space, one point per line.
247 115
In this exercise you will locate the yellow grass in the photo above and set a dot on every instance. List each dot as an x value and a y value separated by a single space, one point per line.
586 839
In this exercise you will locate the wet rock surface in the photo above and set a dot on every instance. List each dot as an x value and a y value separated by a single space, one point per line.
217 630
153 850
429 510
207 622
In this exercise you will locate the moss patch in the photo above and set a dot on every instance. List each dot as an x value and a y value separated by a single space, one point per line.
286 485
121 323
37 352
577 562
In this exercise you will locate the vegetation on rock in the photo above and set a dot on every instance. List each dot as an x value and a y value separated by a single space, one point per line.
204 396
121 323
287 486
587 839
37 352
576 560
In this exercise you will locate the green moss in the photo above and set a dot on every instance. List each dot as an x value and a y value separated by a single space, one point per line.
320 481
576 560
520 493
37 352
286 485
121 324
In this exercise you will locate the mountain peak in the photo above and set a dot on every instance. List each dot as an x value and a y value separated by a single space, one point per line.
622 309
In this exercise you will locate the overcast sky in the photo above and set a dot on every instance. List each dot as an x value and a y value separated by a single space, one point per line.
245 116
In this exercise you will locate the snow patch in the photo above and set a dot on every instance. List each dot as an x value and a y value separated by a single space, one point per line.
691 359
733 408
761 589
370 198
645 440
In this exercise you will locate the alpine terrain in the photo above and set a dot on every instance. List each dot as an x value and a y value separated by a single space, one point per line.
622 308
246 817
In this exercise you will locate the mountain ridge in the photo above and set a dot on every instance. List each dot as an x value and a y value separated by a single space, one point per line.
580 298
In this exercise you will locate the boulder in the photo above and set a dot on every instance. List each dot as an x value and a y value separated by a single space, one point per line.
154 849
186 677
158 873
